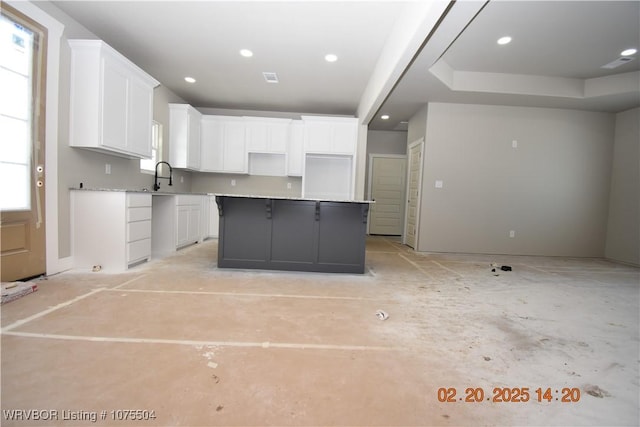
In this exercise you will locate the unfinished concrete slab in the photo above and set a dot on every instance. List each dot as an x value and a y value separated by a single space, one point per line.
191 344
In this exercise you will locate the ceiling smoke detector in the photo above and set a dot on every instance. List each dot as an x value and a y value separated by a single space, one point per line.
270 77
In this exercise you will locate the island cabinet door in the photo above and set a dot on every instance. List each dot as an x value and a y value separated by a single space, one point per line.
341 237
245 233
294 237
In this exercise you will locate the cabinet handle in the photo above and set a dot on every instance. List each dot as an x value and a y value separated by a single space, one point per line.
317 211
365 212
268 205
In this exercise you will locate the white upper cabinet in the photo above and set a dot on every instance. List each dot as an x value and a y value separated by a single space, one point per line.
111 101
330 135
184 136
223 144
266 135
295 150
211 144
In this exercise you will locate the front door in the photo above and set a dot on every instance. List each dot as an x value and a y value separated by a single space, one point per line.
388 175
22 77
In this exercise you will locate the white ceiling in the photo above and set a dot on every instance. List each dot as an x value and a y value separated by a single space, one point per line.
554 60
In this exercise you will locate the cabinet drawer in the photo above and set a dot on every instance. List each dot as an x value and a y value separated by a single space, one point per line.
138 214
139 250
137 200
138 230
186 199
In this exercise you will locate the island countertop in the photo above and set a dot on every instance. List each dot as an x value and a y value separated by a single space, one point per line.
309 199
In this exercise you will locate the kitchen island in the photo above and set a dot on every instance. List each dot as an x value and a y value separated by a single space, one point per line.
288 233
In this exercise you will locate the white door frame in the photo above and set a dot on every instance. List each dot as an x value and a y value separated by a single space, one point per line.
406 211
370 179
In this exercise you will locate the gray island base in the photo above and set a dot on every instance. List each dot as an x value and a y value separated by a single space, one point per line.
292 234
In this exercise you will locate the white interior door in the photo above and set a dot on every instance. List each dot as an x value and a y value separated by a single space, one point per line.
413 193
387 188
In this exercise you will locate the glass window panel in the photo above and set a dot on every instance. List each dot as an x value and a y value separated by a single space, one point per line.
16 44
149 165
14 187
16 95
12 147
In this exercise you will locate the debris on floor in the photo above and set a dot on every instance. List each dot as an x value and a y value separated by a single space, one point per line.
13 290
382 315
595 391
495 267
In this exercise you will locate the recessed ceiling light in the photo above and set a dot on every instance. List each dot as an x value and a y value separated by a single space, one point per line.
384 117
504 40
189 80
628 52
246 53
330 57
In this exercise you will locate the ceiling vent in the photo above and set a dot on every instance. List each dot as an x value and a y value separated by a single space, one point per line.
270 77
402 126
618 62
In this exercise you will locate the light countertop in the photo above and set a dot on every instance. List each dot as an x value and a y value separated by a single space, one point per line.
252 196
247 196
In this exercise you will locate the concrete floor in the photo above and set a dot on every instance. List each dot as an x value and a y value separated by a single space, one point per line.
196 346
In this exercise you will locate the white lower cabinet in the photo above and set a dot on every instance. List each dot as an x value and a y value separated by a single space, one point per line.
177 222
188 219
111 230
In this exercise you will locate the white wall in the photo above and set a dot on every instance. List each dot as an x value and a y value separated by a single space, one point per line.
623 230
552 190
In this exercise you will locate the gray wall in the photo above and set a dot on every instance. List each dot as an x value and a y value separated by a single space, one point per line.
623 230
77 165
552 190
383 142
246 184
417 125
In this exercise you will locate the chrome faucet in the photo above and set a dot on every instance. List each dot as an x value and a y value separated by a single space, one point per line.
156 185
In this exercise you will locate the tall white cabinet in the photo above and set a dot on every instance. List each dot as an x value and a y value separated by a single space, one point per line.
329 157
111 101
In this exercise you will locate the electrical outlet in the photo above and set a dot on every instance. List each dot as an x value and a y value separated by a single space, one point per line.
233 182
512 233
438 184
514 143
181 179
107 169
288 186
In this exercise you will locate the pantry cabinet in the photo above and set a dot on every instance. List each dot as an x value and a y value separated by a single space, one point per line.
184 136
111 101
